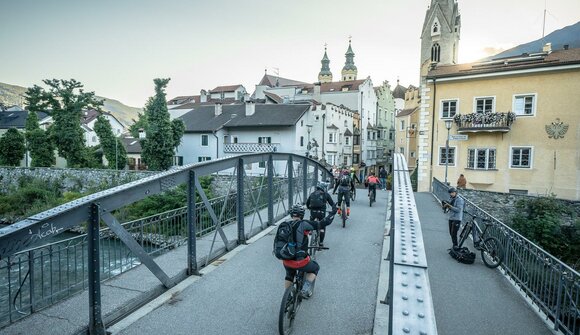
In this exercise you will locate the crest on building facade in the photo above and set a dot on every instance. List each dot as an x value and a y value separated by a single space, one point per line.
556 129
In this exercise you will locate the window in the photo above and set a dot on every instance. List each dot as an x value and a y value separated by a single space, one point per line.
355 158
94 139
204 140
412 154
356 140
331 138
301 141
521 157
331 159
402 150
525 104
448 108
345 123
265 139
484 105
347 140
444 158
402 125
481 159
435 53
234 139
203 158
301 123
262 165
435 27
368 135
178 160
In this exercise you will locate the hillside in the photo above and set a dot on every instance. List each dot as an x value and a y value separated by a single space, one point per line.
569 35
12 95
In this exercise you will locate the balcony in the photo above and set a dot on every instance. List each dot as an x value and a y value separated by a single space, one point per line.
484 122
236 148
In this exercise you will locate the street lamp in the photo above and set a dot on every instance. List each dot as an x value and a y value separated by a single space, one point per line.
323 160
308 146
448 124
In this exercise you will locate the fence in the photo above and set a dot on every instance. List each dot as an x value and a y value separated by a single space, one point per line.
552 286
35 278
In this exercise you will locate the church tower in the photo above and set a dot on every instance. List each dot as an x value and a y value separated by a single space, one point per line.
349 70
440 35
325 76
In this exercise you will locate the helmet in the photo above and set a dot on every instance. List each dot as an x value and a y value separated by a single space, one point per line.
452 189
352 169
297 210
345 171
322 186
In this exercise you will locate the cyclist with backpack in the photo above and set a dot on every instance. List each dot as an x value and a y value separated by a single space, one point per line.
291 246
316 203
344 186
372 181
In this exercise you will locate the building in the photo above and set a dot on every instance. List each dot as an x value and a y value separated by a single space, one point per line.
385 125
514 124
88 121
230 94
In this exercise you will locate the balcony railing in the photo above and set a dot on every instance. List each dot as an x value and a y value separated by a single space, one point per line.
484 122
250 147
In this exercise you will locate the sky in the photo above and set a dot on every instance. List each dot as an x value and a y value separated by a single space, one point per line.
117 47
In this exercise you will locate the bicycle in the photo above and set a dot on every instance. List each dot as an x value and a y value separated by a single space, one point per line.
343 215
492 252
352 193
291 301
372 195
314 241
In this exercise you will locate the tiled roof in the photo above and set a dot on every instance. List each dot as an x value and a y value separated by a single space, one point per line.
523 62
16 119
347 132
332 126
274 97
229 88
203 118
184 99
399 92
406 112
269 80
132 145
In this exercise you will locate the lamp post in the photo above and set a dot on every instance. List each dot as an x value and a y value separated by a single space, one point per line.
116 153
448 124
308 146
323 160
142 136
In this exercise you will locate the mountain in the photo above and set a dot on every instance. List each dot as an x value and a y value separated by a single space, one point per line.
569 35
13 95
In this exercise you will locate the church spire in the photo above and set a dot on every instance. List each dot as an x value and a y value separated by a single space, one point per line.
325 76
349 70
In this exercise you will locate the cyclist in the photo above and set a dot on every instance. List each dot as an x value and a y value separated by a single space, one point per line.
344 186
316 203
455 208
372 181
302 261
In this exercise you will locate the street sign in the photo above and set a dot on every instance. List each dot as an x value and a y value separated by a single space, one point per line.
458 137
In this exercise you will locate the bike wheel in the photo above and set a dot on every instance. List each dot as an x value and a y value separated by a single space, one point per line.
287 311
353 195
313 243
464 233
492 252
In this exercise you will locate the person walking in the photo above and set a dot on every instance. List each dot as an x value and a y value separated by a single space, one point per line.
383 178
461 182
454 208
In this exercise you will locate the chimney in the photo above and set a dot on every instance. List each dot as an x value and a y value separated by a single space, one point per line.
316 92
218 108
566 46
246 97
547 48
203 96
250 107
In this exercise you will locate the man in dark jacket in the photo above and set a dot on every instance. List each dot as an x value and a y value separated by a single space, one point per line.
455 207
316 203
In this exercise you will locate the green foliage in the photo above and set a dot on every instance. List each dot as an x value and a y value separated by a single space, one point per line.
32 196
66 101
177 129
39 143
159 143
141 123
541 221
12 148
112 147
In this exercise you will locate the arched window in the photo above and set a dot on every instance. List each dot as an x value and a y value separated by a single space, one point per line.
435 27
435 53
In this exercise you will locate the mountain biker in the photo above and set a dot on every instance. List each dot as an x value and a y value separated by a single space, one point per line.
372 181
344 186
316 203
455 206
335 176
383 177
353 176
303 261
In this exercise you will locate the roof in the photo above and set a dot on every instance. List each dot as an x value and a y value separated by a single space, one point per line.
230 88
275 81
347 132
16 119
211 102
522 62
274 97
332 126
399 91
203 119
91 114
180 100
406 112
132 145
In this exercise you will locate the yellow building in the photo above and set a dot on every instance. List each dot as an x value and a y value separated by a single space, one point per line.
515 124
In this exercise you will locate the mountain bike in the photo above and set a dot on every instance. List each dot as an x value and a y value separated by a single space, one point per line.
343 215
352 194
492 252
314 241
291 302
372 195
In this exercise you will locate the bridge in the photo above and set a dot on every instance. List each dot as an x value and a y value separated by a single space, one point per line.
232 284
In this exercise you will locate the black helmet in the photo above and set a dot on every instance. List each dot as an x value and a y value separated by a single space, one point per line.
452 189
297 210
322 185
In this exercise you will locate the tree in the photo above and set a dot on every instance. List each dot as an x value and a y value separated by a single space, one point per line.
161 133
38 143
141 123
113 149
12 147
66 100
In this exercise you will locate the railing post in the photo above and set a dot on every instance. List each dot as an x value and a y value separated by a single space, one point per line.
558 299
240 202
96 326
316 174
270 190
31 278
305 180
191 226
290 182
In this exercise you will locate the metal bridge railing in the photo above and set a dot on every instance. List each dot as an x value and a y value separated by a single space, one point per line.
32 278
552 286
411 305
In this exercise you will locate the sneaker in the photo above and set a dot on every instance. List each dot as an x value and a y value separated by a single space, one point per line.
339 211
456 248
306 291
348 212
320 244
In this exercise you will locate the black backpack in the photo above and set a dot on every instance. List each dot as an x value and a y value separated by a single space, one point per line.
462 255
285 240
344 180
317 200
